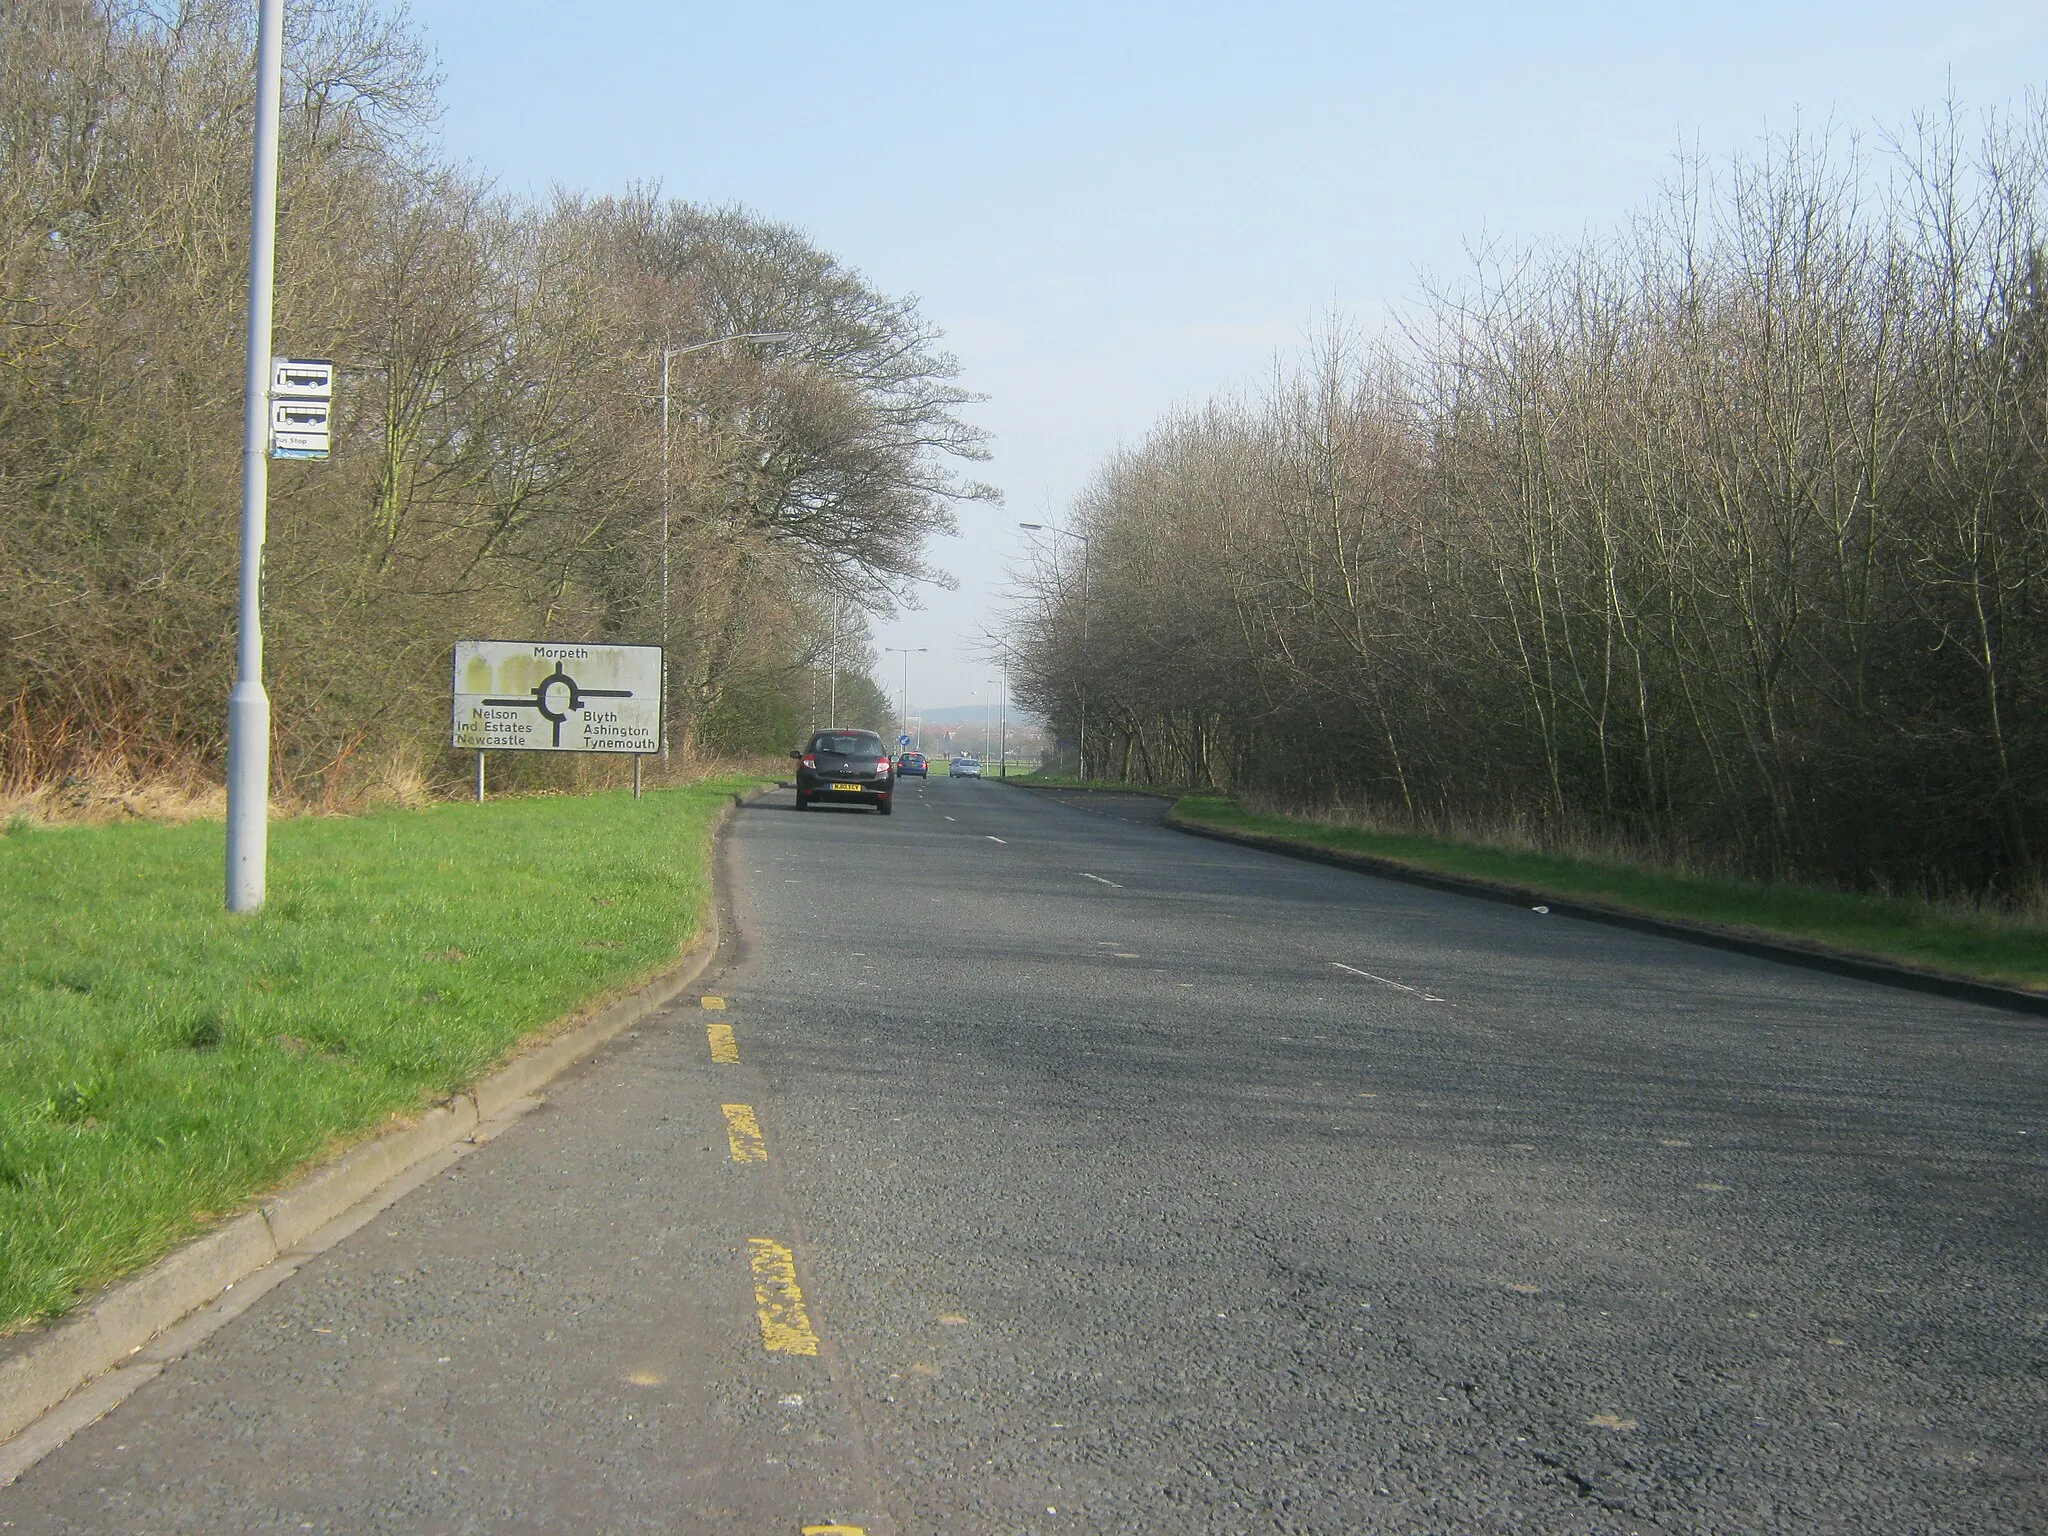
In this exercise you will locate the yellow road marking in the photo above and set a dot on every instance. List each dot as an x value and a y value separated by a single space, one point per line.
744 1132
834 1530
785 1326
712 1002
1611 1421
723 1046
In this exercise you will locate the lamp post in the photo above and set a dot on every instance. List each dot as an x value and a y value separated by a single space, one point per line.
1082 689
906 651
668 355
1003 683
248 766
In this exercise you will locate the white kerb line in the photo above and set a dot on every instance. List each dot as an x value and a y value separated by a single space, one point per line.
994 839
1399 986
1099 880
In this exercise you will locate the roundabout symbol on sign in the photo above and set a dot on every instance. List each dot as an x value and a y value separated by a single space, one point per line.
557 697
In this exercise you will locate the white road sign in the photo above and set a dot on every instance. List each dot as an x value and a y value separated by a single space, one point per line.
301 378
299 429
537 696
301 398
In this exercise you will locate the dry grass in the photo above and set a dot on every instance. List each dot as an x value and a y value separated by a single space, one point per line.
109 791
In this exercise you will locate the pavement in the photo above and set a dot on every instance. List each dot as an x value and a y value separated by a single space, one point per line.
1047 1170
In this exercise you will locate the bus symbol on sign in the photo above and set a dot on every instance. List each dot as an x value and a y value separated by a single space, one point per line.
301 404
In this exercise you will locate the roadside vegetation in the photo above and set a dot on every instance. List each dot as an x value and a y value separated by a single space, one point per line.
163 1062
500 467
1722 538
1075 781
1982 941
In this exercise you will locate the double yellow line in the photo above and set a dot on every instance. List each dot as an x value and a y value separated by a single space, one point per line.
778 1298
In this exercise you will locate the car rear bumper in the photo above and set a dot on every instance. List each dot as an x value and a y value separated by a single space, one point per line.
864 793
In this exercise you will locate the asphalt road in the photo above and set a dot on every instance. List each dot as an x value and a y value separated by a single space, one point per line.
1136 1183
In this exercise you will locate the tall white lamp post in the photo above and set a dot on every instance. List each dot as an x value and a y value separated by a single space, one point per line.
1083 690
907 651
668 356
248 769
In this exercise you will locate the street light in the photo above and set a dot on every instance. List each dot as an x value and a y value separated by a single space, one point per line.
1082 688
668 355
248 766
906 651
1001 746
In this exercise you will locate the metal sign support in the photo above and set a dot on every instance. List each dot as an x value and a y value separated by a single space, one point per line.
248 768
479 775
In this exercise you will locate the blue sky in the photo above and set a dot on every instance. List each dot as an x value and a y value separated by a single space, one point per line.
1115 208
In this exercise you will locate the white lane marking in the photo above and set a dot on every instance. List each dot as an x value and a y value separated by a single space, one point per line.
949 818
994 839
1427 997
1099 880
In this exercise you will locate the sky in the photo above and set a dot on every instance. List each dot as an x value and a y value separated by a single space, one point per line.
1114 209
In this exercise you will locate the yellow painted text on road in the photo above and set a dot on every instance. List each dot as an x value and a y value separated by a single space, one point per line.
785 1326
744 1132
712 1002
723 1046
834 1530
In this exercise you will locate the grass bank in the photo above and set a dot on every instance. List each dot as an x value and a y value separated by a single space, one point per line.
161 1062
1074 781
1984 946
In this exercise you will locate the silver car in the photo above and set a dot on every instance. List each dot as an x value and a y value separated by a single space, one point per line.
964 768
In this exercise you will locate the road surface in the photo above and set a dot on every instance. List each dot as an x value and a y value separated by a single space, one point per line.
1127 1182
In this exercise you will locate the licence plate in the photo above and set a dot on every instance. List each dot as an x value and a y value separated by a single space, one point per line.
848 788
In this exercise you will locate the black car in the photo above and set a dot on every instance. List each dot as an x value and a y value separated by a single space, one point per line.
846 767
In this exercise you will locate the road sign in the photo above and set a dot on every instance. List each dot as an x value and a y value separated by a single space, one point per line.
299 429
301 378
902 741
301 403
537 696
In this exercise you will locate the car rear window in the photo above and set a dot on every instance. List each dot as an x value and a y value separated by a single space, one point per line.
851 744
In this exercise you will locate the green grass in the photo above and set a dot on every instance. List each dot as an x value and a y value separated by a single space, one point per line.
1985 946
162 1062
1074 781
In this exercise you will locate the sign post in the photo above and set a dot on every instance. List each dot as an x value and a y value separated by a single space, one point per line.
540 696
248 766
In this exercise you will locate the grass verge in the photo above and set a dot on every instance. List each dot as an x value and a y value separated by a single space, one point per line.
1982 946
1073 781
162 1062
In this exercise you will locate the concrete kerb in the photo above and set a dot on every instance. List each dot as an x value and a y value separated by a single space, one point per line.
1811 957
43 1368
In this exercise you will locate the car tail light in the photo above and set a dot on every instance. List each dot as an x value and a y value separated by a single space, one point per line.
810 759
